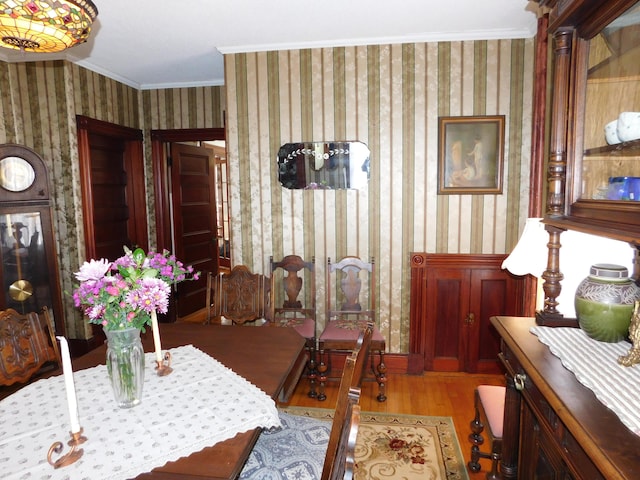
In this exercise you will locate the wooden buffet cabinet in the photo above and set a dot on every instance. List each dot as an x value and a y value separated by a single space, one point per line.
555 428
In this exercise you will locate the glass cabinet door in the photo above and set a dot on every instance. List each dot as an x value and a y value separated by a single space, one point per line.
610 167
25 275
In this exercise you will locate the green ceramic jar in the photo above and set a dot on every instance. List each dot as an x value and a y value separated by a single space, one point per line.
604 302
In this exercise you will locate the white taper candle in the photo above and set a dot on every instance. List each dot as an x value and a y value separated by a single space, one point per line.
156 337
69 384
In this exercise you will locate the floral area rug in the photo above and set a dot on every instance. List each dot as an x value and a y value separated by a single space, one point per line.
389 446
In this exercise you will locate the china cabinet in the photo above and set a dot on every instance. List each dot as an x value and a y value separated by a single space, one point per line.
593 175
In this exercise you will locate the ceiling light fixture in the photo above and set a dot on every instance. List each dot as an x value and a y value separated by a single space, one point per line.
45 25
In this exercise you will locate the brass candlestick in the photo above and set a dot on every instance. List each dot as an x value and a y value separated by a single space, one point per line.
72 455
164 368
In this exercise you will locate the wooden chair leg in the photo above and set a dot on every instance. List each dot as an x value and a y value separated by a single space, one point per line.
322 377
381 376
489 411
312 373
475 437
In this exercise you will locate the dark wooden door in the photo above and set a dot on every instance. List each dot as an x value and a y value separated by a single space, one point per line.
113 189
194 220
111 214
453 300
447 308
493 291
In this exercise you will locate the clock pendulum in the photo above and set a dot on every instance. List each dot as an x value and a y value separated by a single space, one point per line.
20 290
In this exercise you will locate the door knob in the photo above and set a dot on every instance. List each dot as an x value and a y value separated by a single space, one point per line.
471 318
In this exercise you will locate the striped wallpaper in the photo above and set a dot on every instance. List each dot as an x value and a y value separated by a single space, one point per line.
38 105
387 96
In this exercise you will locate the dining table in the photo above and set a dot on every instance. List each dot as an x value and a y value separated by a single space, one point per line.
269 360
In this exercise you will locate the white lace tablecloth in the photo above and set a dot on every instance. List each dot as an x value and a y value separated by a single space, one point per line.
596 367
199 404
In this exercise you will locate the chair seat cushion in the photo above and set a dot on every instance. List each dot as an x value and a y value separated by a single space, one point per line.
296 450
492 398
305 327
347 330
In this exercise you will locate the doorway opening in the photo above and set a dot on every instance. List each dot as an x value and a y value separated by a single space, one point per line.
187 223
223 215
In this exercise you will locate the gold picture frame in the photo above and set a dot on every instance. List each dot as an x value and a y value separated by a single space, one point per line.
470 154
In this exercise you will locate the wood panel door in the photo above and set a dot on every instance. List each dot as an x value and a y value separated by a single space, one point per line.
453 300
447 309
194 220
491 290
113 188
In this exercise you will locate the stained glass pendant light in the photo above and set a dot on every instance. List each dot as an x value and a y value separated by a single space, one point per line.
45 25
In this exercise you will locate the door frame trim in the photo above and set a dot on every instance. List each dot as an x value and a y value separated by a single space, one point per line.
161 175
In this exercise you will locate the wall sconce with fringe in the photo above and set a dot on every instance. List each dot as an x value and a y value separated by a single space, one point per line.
45 25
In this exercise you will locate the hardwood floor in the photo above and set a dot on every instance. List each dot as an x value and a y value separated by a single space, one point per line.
432 393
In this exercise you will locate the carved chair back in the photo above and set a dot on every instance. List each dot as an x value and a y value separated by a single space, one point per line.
293 291
351 290
28 346
239 296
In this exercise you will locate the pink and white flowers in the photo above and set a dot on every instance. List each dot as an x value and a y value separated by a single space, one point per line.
123 293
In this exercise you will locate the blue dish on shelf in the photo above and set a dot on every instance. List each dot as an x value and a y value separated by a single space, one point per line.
624 188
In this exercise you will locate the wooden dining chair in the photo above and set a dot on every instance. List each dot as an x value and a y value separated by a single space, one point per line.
297 449
28 348
350 305
239 296
339 460
293 304
487 422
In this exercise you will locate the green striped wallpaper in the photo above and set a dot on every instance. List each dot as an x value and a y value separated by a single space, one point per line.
39 102
389 97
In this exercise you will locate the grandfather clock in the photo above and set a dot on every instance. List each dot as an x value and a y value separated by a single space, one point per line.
28 263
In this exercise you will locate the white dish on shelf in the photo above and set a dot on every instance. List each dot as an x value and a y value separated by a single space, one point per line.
628 126
611 132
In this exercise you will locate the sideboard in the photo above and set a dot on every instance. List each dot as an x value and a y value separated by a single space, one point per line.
554 427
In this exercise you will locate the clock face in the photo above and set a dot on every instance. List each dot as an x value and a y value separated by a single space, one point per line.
16 174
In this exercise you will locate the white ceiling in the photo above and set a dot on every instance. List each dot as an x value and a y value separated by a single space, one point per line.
161 44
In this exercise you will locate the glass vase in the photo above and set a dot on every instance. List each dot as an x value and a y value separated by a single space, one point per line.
125 364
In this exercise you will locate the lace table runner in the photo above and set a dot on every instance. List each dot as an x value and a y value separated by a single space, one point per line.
595 366
200 404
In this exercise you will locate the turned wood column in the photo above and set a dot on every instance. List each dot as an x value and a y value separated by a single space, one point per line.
557 173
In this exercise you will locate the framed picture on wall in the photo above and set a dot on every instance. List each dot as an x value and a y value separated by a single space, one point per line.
470 154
